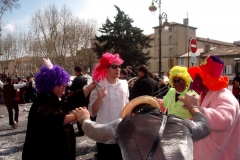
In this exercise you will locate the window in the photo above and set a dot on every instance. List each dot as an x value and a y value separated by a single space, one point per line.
182 61
170 52
170 40
234 69
228 69
170 29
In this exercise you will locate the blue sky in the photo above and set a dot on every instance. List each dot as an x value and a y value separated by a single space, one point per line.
215 19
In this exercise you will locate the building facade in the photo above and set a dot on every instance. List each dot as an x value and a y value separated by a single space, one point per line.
175 47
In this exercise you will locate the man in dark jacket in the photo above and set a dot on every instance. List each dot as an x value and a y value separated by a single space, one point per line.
145 85
124 74
74 99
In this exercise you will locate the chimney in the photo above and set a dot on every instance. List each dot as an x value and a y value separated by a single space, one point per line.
185 21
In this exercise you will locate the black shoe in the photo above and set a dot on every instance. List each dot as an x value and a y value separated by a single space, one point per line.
13 127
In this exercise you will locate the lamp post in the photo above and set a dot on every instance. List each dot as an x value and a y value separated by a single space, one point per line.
166 24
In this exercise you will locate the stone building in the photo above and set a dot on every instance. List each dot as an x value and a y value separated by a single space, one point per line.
175 48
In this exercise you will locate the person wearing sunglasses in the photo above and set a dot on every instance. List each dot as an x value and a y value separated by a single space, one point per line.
179 80
108 100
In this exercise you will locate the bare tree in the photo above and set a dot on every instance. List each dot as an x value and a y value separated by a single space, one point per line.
28 58
9 49
59 34
8 5
5 6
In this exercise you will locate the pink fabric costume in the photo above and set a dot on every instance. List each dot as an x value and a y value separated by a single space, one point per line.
220 108
222 112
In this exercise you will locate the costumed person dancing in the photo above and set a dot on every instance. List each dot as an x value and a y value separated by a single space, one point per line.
50 134
108 101
220 108
144 132
180 80
9 95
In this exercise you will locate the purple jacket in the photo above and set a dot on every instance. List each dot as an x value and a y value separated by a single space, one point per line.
222 112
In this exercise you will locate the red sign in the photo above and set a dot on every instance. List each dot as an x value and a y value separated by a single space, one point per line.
193 45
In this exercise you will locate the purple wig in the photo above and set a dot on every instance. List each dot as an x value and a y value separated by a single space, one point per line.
47 78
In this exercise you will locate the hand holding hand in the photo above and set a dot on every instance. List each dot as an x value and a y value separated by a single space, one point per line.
189 100
81 113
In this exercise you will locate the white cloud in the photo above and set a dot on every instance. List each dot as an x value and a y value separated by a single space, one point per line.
9 27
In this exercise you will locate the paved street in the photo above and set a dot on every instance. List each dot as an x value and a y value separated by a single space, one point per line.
11 141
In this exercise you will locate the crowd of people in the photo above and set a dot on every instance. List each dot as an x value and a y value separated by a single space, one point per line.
15 91
25 94
193 116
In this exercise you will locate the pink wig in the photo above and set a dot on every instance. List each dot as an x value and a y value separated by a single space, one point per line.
100 72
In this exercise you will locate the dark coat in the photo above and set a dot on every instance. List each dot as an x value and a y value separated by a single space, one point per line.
9 93
78 83
143 86
77 99
46 137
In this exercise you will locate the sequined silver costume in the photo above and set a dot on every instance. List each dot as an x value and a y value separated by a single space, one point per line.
135 135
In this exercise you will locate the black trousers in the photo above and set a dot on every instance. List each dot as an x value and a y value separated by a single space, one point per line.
81 133
22 98
108 152
12 105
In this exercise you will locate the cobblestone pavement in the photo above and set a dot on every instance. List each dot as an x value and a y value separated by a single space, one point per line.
11 141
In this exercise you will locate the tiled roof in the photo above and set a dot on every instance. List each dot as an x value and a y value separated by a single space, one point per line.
212 41
225 51
198 52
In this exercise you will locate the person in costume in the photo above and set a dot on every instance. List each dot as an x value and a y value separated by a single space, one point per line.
180 80
143 132
108 100
50 134
236 86
9 95
220 108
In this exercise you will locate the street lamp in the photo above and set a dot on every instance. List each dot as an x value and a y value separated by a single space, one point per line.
166 24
